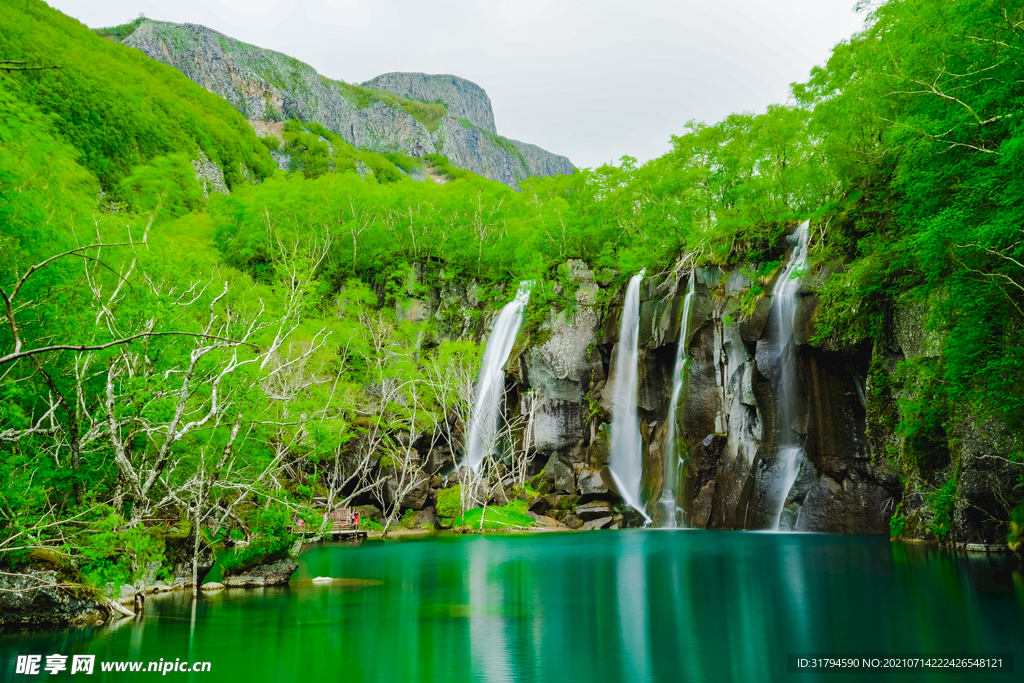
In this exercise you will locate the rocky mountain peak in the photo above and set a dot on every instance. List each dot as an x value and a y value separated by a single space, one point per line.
464 99
411 113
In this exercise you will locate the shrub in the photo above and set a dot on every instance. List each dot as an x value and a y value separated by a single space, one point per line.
403 161
511 516
896 524
941 503
1016 536
120 32
408 520
430 114
449 502
262 551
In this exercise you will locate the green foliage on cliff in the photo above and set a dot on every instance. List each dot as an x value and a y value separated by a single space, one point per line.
118 555
273 545
449 502
120 32
941 502
117 107
924 413
430 114
264 551
924 140
314 151
508 146
1016 536
403 161
896 526
511 516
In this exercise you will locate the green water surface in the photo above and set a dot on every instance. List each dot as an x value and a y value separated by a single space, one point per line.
637 605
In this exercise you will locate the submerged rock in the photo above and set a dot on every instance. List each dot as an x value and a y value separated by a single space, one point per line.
270 574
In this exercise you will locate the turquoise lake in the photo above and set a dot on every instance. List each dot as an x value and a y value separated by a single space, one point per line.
635 605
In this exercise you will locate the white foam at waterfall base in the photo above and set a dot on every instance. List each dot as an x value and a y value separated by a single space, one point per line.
672 461
490 384
787 468
626 464
785 300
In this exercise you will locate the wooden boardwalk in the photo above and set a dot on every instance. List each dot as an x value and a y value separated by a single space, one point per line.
336 534
343 527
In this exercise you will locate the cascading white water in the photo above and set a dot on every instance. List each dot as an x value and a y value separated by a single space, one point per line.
789 452
626 464
672 461
490 385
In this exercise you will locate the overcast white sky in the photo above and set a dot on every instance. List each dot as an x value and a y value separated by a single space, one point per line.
590 79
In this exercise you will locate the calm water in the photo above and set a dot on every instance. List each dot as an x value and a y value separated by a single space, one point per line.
603 606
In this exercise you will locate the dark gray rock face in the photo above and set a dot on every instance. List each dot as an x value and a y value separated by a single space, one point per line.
591 483
33 600
427 516
182 573
267 85
559 370
464 99
561 474
415 495
537 504
270 574
726 420
988 482
599 523
855 506
594 510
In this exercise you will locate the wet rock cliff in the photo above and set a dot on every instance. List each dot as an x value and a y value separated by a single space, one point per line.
856 471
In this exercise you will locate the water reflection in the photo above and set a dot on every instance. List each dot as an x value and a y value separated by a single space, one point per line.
487 629
632 596
603 606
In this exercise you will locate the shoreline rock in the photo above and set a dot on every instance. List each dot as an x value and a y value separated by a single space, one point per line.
269 574
36 598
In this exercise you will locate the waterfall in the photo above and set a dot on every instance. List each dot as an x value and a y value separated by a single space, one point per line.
490 385
789 452
626 464
672 461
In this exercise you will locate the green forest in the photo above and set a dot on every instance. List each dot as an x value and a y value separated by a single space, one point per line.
180 365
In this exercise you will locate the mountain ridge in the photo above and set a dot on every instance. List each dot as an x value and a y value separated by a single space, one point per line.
408 113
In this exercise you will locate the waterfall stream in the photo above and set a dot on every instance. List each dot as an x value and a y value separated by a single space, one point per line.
785 300
672 460
626 464
490 384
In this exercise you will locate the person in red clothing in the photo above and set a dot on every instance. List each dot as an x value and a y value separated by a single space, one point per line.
357 519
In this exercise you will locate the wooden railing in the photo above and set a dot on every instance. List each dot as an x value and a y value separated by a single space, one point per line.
341 519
